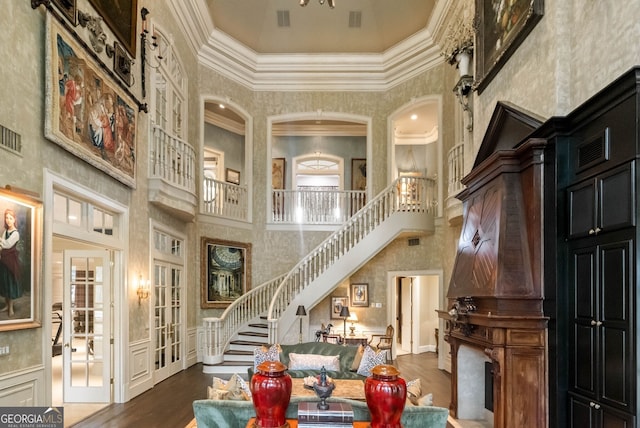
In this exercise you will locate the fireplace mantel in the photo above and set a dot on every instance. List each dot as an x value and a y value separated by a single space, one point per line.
495 297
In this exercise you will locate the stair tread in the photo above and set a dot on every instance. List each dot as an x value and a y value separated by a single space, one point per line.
235 363
238 352
246 342
253 333
256 325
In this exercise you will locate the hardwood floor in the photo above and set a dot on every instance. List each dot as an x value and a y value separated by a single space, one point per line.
168 404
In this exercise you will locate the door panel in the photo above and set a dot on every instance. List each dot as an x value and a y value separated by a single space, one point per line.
168 320
87 326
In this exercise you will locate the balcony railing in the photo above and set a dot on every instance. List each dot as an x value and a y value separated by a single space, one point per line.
172 160
316 206
455 159
225 199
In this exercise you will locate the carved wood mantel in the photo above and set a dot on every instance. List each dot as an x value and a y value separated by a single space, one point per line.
495 297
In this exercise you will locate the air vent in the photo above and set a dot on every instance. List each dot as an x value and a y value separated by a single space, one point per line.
283 19
594 151
355 19
10 140
413 242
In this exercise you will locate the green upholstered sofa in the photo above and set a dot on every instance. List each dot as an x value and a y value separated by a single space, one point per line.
236 414
346 353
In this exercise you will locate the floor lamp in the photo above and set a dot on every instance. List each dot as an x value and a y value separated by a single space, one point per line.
301 312
344 313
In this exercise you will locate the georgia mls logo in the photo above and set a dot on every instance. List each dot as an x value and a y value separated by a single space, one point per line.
31 417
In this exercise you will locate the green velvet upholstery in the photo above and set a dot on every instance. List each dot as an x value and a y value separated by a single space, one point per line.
236 414
346 353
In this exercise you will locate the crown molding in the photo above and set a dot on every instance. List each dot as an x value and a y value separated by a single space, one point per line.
306 72
224 123
320 130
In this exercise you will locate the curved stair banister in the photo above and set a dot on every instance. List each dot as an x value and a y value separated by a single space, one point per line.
406 194
218 331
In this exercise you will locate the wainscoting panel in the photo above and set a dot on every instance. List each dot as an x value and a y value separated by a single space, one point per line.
140 370
23 388
192 346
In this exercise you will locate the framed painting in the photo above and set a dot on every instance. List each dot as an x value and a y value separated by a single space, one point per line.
360 295
278 173
20 261
336 306
358 174
122 18
501 29
68 9
87 113
232 176
226 272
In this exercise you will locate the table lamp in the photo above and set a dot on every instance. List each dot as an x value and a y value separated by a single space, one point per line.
344 313
301 312
354 319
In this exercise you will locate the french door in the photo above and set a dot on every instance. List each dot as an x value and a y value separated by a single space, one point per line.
87 326
169 346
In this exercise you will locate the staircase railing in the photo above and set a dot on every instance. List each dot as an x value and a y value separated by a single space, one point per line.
406 194
249 306
316 206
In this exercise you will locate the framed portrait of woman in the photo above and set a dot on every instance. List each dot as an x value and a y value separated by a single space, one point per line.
20 260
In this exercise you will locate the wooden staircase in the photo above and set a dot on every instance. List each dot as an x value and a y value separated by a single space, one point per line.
239 355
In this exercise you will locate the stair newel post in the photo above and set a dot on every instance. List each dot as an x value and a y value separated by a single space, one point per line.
273 330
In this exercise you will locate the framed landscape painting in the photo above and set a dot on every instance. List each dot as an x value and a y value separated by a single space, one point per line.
226 272
502 27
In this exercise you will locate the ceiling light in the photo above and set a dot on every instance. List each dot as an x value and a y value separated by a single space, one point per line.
332 3
414 117
221 105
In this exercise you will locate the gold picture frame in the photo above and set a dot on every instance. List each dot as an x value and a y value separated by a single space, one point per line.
23 261
360 295
226 272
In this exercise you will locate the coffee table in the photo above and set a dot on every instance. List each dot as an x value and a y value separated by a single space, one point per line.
293 423
345 388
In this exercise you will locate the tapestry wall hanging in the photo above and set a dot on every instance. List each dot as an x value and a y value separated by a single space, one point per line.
87 113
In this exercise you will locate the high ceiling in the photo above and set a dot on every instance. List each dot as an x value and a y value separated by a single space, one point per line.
353 26
283 27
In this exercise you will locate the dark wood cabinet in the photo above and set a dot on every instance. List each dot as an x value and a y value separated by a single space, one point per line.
598 257
601 281
603 203
586 413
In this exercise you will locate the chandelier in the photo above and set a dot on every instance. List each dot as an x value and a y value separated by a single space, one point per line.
332 3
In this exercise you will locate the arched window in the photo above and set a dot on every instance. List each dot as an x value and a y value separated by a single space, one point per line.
318 171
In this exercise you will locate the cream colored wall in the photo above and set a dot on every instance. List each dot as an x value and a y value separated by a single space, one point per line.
577 48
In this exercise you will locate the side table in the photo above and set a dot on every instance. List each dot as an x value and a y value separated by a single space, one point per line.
293 423
356 340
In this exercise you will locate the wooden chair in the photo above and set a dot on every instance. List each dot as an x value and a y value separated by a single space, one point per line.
384 342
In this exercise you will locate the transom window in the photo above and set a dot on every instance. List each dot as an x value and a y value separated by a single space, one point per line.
318 171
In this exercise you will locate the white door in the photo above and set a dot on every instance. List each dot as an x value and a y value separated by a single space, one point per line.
87 326
168 320
406 337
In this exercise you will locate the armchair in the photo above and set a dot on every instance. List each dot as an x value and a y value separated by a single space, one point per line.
384 341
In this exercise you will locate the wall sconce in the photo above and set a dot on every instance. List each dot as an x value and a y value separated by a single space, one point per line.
344 314
142 289
146 45
354 319
462 90
301 312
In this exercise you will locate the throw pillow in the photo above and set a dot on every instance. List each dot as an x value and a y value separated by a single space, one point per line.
414 391
426 400
313 362
370 359
262 354
235 388
357 358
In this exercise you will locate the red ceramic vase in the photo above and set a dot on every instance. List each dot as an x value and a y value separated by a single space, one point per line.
386 394
271 392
